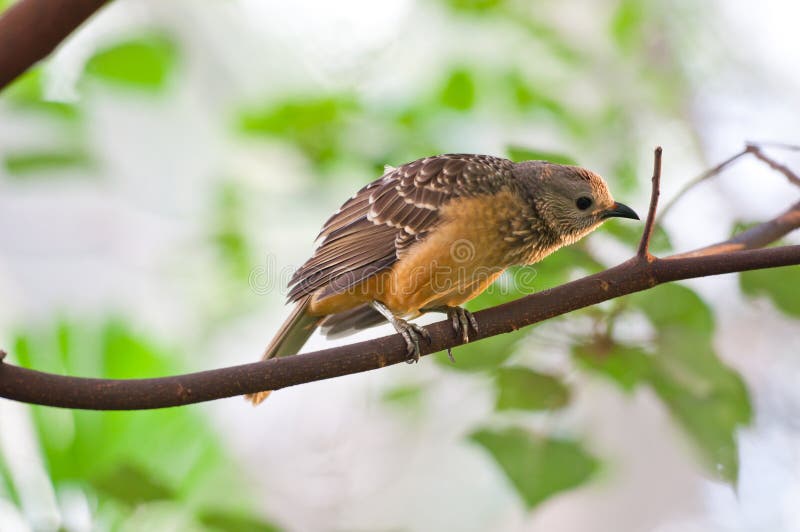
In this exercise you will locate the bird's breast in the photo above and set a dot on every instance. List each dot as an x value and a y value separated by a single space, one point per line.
477 239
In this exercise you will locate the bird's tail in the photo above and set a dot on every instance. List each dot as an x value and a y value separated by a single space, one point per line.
291 337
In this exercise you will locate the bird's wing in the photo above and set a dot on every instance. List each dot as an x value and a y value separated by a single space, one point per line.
385 218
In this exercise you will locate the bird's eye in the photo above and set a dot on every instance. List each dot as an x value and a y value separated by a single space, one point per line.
583 203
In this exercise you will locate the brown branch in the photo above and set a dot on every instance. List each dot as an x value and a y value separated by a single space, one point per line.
31 29
644 245
772 163
755 237
635 275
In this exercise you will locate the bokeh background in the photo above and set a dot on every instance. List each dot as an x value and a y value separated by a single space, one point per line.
164 171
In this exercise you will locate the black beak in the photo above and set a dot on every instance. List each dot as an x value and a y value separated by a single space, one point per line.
620 211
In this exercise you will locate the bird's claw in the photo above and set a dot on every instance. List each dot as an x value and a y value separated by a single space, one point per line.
462 320
411 333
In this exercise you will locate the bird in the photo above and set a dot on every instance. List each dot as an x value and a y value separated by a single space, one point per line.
430 235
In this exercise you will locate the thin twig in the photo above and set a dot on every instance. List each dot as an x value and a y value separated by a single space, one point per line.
775 165
644 245
777 145
696 181
754 148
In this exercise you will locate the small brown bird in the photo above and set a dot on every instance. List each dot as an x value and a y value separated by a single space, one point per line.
431 235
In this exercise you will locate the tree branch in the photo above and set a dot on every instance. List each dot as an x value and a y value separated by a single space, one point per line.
31 29
755 237
634 275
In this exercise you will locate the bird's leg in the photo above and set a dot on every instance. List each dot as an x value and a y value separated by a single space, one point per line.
410 332
462 320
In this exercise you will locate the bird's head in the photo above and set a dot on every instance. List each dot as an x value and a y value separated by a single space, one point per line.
572 200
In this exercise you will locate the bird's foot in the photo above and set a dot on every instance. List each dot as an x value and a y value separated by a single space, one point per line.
462 320
410 332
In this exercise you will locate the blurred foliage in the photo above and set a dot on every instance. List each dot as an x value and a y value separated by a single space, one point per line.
705 396
519 388
630 234
69 154
409 395
27 92
780 285
145 63
627 366
21 164
459 90
226 521
627 24
517 154
129 459
537 467
315 125
228 232
481 356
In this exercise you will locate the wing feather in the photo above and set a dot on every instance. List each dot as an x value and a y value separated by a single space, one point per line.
388 216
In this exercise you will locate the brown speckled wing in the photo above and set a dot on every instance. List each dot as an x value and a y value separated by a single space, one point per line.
387 217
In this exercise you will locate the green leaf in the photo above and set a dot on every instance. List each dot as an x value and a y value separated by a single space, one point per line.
131 484
631 234
458 91
628 366
486 354
676 311
709 399
229 521
315 125
518 153
559 45
475 6
705 396
781 285
25 163
627 24
520 388
624 176
531 99
229 235
409 395
27 92
537 467
145 63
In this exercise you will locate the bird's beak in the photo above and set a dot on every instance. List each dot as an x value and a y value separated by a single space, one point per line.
620 211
